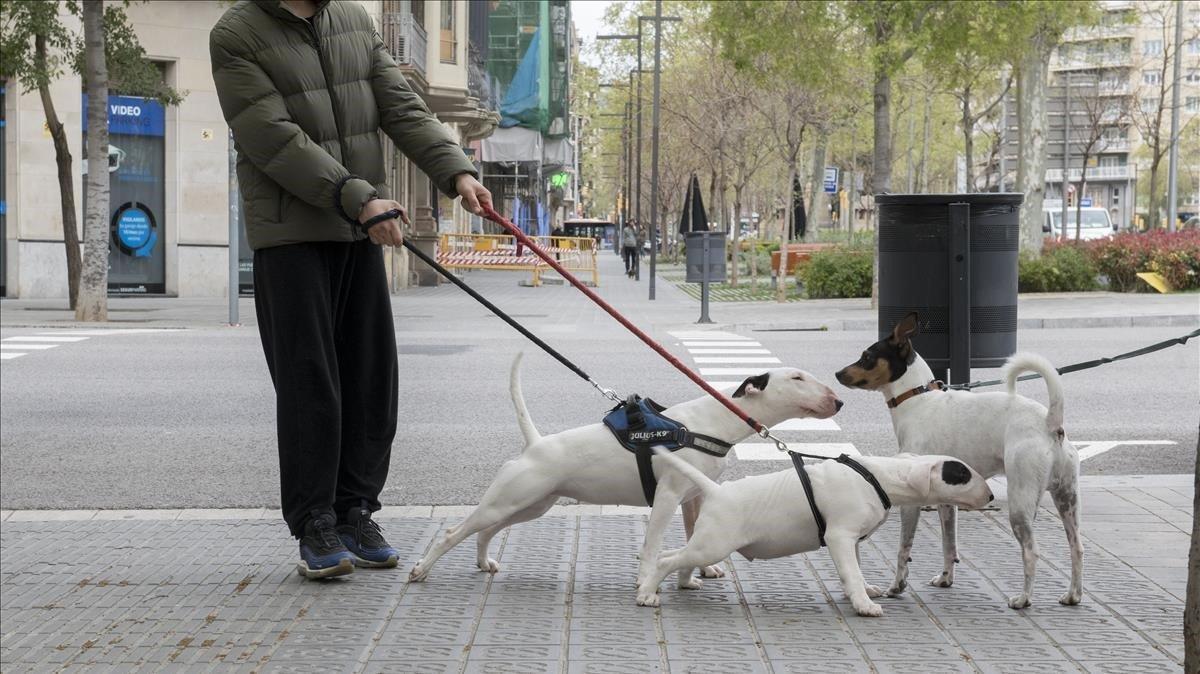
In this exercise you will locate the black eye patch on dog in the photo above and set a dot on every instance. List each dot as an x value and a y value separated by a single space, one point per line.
759 382
955 472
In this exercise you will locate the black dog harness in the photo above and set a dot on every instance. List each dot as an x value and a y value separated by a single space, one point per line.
798 462
639 425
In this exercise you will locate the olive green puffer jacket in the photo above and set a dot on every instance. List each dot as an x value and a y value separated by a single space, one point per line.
306 101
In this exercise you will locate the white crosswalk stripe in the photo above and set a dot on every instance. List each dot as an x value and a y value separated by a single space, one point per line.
44 338
726 348
20 345
9 355
27 346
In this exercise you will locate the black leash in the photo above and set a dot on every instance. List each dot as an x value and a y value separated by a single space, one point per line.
798 461
392 214
1086 364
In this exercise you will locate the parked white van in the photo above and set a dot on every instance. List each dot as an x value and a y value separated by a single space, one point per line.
1096 223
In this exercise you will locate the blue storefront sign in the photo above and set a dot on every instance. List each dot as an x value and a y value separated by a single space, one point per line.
132 116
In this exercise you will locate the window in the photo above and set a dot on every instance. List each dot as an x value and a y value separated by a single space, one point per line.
1149 105
1192 104
1193 46
1152 47
449 46
1192 76
1151 77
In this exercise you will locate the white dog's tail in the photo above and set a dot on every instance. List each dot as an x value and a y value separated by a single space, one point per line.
689 471
514 389
1020 363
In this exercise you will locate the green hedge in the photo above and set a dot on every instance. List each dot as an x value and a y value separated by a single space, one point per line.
837 272
1061 268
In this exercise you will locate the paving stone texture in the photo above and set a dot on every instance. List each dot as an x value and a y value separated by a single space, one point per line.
221 595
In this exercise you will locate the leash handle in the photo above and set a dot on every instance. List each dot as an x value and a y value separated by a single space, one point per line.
495 217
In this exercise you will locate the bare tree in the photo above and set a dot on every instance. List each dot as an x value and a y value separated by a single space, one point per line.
1105 110
1152 112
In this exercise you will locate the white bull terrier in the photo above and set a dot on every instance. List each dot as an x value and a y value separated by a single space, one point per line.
997 433
768 516
590 465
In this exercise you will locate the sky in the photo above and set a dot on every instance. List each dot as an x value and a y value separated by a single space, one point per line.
588 15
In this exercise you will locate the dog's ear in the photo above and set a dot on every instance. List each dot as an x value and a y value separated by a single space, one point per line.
753 385
905 329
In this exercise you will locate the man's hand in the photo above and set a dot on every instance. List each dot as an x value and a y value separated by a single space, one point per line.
474 196
386 233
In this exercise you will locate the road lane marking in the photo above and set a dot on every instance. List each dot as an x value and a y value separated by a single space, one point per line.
9 355
730 360
4 345
40 338
1092 448
807 425
715 334
735 371
762 451
727 352
725 344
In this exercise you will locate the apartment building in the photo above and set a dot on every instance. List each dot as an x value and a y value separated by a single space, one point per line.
1109 97
170 165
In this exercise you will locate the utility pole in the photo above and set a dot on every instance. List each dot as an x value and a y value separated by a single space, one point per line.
654 140
1173 163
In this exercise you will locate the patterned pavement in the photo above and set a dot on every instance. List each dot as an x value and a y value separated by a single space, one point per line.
168 591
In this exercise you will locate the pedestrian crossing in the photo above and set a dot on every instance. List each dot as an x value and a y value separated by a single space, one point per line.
18 346
724 359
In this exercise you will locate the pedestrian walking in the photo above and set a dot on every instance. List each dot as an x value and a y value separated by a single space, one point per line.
305 86
629 247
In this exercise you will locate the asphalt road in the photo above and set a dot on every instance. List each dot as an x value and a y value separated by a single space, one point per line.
184 418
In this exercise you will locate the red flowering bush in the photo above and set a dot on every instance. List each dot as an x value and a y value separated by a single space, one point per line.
1175 256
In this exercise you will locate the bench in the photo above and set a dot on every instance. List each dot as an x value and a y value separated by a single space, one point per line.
797 253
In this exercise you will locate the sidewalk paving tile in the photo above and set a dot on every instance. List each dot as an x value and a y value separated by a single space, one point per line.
213 593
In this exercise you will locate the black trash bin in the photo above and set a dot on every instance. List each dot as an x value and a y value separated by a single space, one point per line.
941 251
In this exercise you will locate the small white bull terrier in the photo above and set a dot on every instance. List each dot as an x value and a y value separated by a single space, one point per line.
768 516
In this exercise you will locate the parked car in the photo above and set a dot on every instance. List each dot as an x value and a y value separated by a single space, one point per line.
1096 223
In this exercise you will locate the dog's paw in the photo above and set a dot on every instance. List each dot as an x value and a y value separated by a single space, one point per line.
1019 602
1071 598
942 580
418 573
690 583
897 588
490 565
712 571
869 610
646 599
873 591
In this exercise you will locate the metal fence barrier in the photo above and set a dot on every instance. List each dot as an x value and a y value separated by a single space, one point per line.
502 252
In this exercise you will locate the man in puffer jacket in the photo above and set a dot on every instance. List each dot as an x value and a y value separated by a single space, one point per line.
306 86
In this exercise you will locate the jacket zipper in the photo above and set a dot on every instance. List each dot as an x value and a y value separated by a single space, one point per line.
333 102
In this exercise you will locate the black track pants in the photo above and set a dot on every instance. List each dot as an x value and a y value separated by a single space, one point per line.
325 319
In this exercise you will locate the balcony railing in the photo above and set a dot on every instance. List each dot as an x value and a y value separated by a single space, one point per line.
1055 175
406 40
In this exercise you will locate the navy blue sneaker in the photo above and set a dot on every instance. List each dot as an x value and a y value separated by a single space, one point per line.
322 554
362 536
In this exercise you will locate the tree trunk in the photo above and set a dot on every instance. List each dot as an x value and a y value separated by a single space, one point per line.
1031 162
882 180
968 142
737 232
816 213
1191 608
66 179
789 213
1079 200
93 291
924 181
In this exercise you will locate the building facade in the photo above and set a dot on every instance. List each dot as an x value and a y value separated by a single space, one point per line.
170 165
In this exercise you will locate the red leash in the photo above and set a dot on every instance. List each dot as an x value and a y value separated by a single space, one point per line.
495 217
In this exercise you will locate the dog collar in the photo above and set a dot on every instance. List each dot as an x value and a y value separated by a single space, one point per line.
935 385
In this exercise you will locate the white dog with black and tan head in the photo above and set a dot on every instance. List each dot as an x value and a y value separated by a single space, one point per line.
997 433
768 516
590 465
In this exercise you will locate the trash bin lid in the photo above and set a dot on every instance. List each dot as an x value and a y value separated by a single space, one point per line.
979 198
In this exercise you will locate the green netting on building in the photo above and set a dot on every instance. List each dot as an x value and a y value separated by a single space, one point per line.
513 26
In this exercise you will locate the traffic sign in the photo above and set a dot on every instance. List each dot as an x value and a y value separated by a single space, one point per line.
831 179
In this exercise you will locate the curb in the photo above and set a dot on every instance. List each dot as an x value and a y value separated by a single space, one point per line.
866 324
